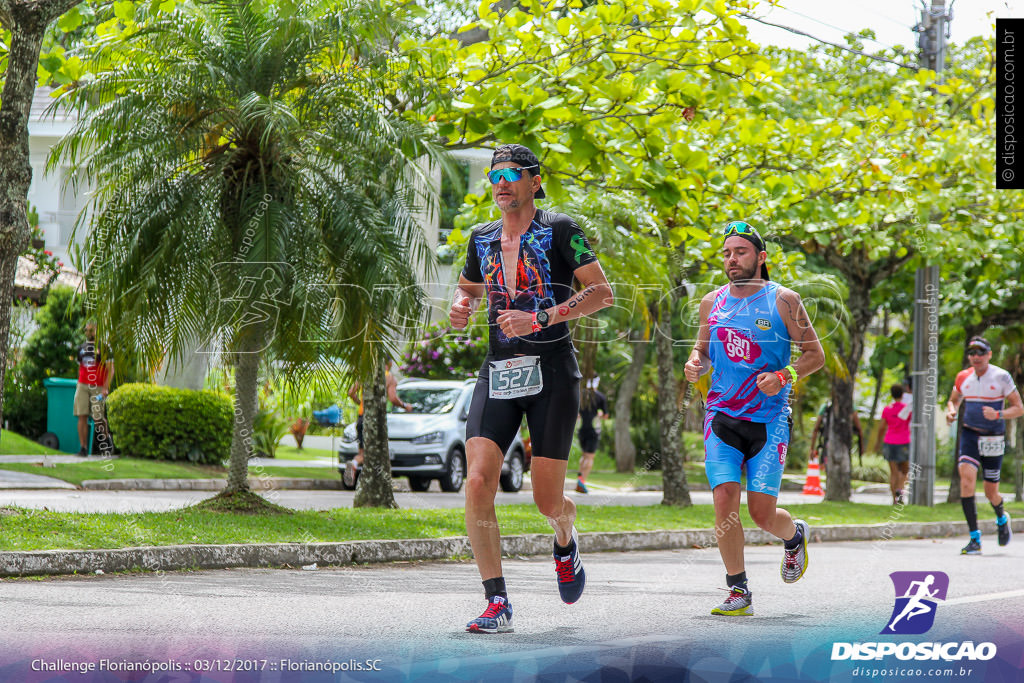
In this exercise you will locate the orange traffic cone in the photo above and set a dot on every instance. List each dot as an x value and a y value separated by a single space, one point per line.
812 487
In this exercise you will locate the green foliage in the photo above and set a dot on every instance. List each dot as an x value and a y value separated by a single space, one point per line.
267 431
444 355
871 467
163 423
267 199
303 180
48 352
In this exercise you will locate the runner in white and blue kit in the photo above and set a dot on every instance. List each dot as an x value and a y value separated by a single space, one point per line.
990 398
747 330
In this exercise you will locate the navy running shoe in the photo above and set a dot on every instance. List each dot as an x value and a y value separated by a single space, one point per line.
497 618
569 568
973 547
1005 533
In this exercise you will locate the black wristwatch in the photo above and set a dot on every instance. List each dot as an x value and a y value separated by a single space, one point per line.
543 319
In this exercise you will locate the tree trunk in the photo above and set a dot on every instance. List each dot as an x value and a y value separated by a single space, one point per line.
247 365
625 449
676 489
27 22
15 170
840 437
879 378
374 489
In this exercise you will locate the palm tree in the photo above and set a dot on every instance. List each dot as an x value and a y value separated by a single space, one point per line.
254 191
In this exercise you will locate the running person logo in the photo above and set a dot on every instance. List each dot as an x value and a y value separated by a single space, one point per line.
917 595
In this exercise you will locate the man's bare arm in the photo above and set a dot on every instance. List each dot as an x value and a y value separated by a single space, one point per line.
595 295
801 331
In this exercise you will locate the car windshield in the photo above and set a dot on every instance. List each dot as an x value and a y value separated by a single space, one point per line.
423 400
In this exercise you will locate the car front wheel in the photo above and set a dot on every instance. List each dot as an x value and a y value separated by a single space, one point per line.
455 472
512 481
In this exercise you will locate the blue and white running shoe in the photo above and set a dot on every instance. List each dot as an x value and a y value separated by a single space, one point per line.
497 618
569 568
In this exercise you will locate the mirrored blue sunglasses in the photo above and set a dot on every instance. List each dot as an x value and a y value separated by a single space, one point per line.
509 174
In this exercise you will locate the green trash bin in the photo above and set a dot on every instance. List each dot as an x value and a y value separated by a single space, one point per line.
61 424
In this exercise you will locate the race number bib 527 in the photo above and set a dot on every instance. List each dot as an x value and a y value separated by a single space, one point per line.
515 377
991 445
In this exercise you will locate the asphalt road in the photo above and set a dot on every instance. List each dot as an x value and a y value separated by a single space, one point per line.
159 501
643 614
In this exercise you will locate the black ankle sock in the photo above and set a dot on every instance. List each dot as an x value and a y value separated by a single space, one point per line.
740 580
562 551
999 509
794 543
970 512
494 587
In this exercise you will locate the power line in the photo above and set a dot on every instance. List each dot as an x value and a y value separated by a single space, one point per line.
833 26
827 42
885 16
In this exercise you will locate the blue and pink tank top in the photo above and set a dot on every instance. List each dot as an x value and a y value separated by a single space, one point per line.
748 337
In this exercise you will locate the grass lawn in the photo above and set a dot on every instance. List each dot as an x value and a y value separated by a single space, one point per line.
139 468
297 472
293 453
38 530
119 468
16 444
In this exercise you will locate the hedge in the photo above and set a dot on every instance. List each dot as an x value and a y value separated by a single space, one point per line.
163 423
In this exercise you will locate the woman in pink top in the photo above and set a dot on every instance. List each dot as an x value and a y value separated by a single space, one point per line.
895 427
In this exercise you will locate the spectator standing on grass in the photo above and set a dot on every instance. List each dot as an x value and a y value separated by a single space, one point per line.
95 370
355 392
894 427
820 435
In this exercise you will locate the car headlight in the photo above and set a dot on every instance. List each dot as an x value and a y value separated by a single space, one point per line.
432 437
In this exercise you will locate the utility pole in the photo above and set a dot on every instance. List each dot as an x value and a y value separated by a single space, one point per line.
933 32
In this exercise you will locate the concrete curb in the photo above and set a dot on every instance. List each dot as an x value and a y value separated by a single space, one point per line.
171 558
255 483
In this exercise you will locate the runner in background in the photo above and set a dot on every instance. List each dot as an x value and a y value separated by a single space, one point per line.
985 390
593 404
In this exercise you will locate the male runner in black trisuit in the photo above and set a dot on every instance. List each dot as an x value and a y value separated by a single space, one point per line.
524 264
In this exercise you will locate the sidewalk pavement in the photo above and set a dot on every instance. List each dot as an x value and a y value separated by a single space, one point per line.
313 555
10 479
